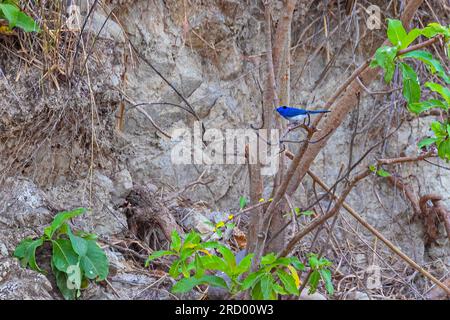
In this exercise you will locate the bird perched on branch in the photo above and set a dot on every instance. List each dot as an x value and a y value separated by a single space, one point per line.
296 115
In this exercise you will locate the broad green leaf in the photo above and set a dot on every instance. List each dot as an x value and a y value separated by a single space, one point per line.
192 239
229 258
242 202
158 254
326 277
288 281
252 279
187 284
313 281
267 286
79 245
438 129
174 270
384 58
268 259
426 142
62 281
245 264
434 29
313 261
279 289
175 241
419 107
21 248
214 262
63 254
412 35
18 18
199 268
297 264
444 149
95 263
395 32
61 218
443 91
257 292
411 85
26 252
432 64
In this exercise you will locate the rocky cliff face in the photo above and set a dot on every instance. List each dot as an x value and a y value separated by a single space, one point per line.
216 61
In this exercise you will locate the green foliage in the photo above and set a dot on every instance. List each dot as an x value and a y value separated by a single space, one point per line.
197 262
388 57
76 257
242 202
380 172
320 271
10 10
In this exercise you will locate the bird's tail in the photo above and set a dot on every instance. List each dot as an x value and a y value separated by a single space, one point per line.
318 111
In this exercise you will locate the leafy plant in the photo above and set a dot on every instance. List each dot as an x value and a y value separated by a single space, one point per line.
320 270
76 256
10 10
198 262
389 57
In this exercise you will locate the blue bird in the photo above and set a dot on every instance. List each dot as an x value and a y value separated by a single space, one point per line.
296 114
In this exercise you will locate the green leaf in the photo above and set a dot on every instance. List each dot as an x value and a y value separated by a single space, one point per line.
426 142
252 279
288 281
245 264
383 173
267 286
214 263
411 85
373 168
434 29
175 241
268 259
60 219
443 91
395 32
193 238
95 263
18 18
257 292
228 257
297 264
439 130
313 281
384 58
326 277
26 252
412 35
187 284
432 64
63 255
419 107
158 254
279 289
79 245
61 281
199 268
174 270
313 261
242 202
444 150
